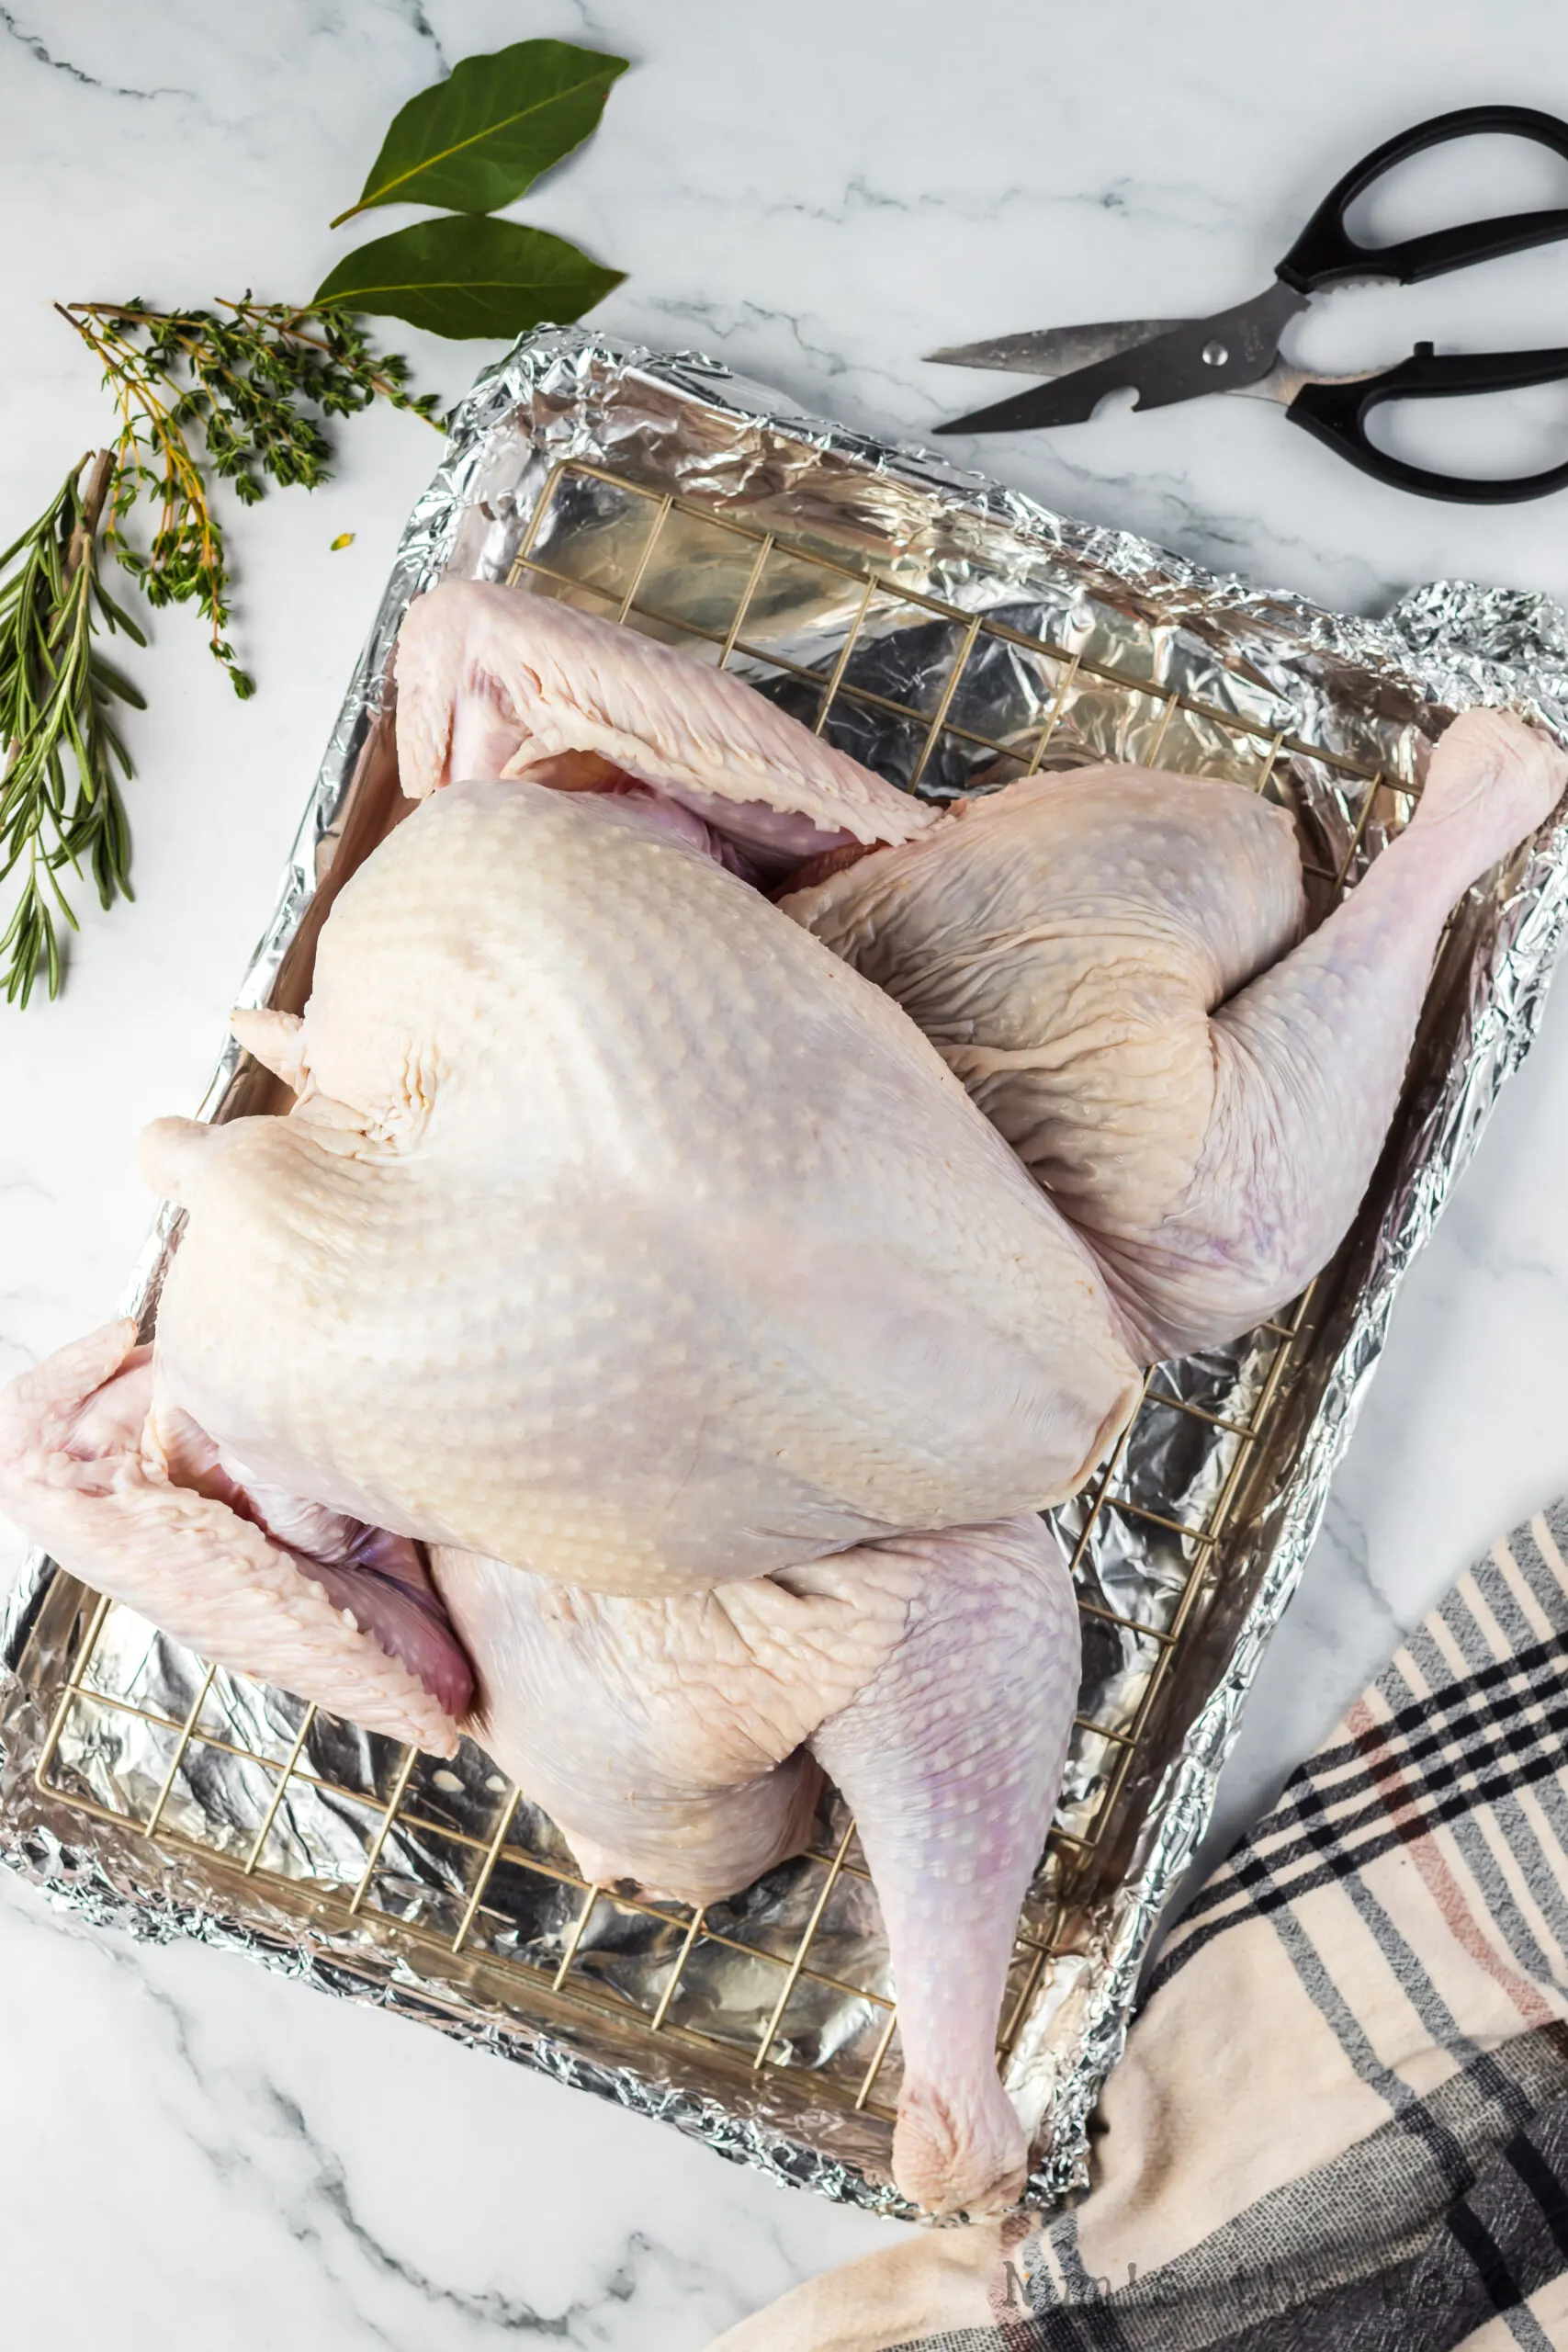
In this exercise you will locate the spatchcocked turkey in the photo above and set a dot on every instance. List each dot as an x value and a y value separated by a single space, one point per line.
723 1203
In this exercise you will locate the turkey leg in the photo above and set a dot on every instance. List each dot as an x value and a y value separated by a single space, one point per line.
950 1757
1109 962
932 1676
1309 1058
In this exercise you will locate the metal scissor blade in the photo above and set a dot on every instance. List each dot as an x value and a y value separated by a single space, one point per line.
1055 350
1221 354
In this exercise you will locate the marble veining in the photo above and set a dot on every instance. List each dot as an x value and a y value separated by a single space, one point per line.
217 2150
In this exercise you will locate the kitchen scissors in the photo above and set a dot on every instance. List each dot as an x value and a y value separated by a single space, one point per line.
1166 360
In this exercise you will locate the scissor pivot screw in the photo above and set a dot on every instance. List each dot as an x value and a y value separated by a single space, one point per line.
1214 355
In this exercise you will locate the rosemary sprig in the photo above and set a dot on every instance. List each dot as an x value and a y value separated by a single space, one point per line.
55 691
251 380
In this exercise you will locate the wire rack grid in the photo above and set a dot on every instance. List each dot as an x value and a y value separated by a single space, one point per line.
457 1862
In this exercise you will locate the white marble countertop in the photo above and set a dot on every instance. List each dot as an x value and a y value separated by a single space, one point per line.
190 2141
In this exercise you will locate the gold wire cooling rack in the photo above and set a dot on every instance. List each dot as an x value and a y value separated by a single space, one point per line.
451 1861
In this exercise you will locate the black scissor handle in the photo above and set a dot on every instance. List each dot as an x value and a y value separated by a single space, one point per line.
1336 414
1326 255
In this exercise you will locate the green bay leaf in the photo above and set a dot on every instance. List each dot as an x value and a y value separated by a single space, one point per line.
464 275
476 141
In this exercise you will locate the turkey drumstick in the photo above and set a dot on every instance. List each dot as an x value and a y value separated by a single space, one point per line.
1109 960
933 1677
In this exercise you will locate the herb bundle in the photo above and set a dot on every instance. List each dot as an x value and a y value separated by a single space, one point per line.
242 394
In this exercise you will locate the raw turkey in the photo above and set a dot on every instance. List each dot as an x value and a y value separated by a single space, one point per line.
650 1337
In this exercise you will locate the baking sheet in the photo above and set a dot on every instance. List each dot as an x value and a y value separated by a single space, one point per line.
953 635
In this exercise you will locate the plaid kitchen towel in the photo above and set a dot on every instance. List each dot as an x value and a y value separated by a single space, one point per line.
1342 2120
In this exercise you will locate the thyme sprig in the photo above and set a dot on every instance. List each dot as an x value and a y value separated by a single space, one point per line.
250 381
60 801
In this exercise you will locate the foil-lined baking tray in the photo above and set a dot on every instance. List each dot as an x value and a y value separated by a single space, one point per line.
952 635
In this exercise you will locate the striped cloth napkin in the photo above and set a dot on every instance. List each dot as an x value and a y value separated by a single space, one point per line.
1342 2120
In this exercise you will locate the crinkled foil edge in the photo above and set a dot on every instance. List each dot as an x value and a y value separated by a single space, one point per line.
1450 644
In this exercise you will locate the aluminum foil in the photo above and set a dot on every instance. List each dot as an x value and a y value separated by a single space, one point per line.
959 631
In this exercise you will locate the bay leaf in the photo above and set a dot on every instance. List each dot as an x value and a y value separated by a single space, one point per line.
476 141
465 275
